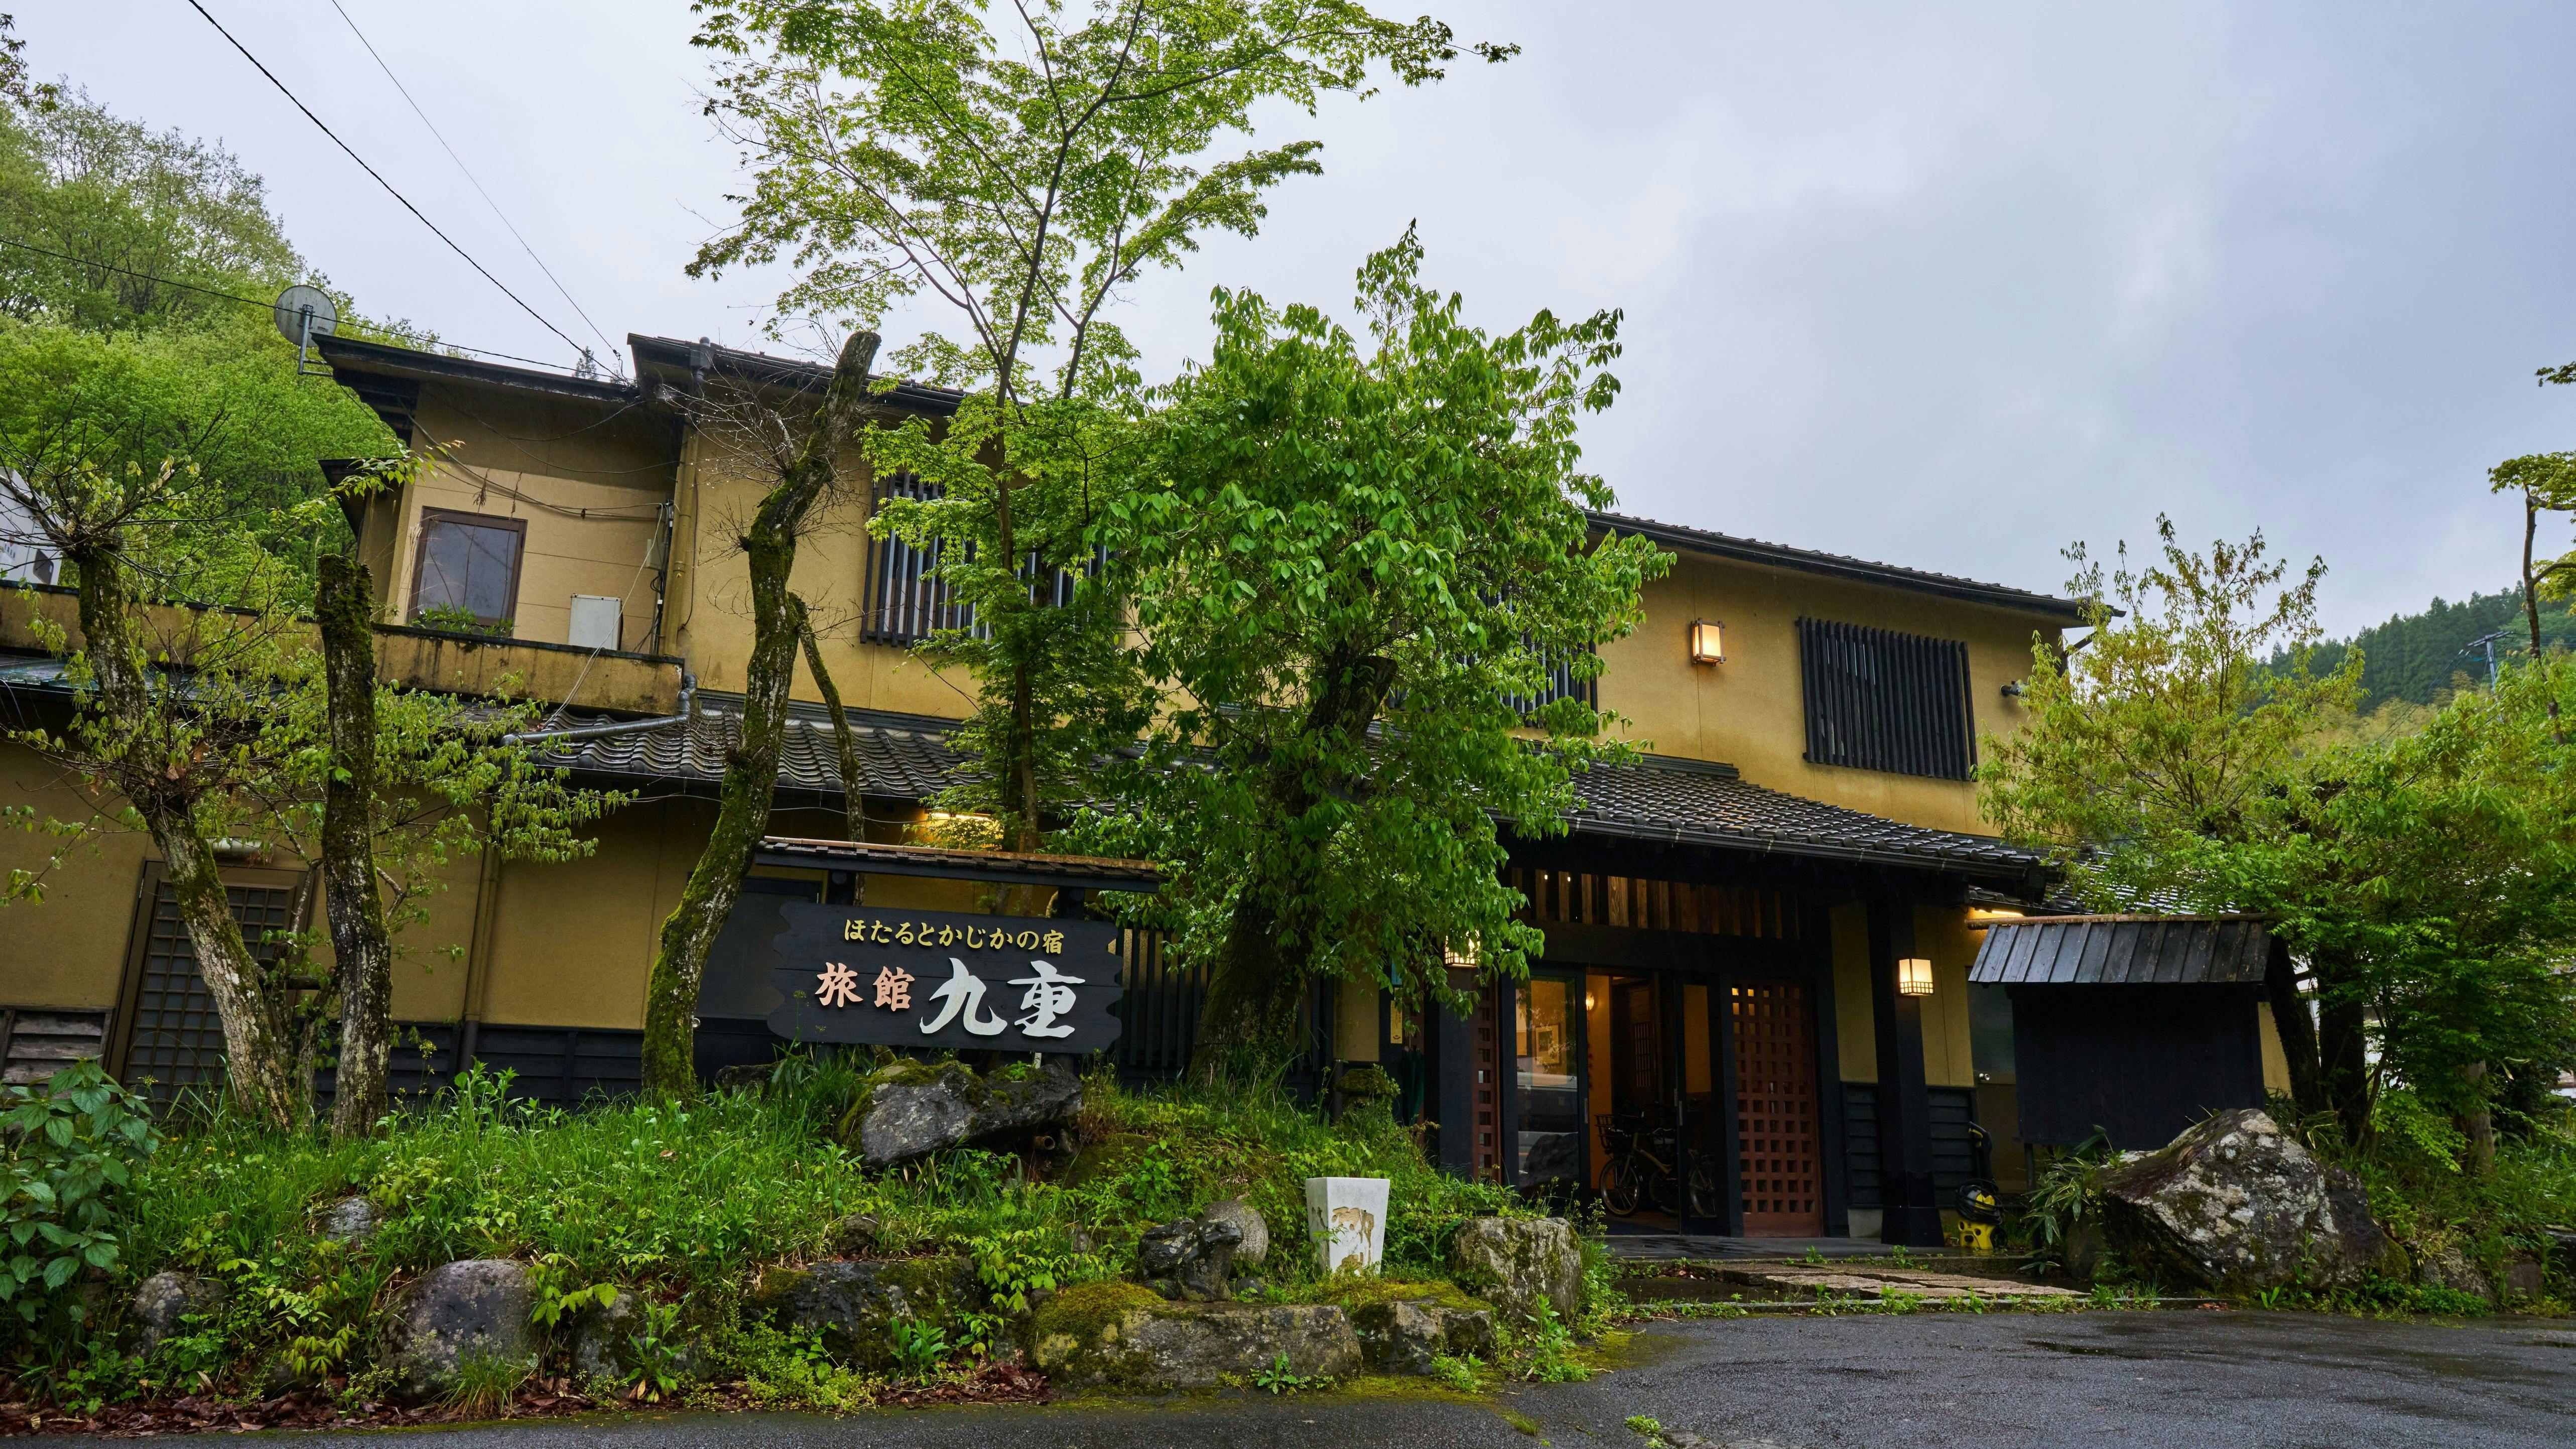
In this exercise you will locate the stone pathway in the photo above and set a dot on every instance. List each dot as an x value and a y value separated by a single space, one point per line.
1871 1280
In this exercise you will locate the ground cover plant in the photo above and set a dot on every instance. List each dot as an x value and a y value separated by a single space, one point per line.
679 1204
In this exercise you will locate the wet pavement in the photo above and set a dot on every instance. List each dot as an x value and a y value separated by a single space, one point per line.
2170 1380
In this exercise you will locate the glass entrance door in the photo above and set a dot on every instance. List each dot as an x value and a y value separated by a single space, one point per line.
1549 1151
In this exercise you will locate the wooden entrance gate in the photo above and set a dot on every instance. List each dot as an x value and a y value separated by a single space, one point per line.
1780 1151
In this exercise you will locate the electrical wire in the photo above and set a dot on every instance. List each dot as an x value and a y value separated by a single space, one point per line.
7 241
200 8
477 184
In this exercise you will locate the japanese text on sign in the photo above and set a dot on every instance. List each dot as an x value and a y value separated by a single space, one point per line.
942 938
1049 997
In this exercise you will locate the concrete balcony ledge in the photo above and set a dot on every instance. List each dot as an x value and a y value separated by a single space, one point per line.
604 680
613 680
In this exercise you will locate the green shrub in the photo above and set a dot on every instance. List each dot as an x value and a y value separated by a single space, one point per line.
73 1146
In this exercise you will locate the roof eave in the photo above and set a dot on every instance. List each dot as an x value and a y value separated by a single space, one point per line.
1748 550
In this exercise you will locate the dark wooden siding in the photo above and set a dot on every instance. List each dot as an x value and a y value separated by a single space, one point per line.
1954 1159
2139 1062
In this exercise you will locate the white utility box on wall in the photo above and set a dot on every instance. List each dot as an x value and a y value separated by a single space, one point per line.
597 621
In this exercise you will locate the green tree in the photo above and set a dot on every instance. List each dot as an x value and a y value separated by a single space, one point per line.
1022 173
2426 879
116 223
1349 557
198 724
749 425
224 399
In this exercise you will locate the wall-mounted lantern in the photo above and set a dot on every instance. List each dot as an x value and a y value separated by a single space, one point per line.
1707 641
1913 977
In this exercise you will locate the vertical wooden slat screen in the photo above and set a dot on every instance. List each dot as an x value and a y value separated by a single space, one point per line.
1584 898
1880 700
906 601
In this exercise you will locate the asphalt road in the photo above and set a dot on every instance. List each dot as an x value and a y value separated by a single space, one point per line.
2173 1380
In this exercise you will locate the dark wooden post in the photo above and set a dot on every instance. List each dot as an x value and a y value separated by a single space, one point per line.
1453 1082
1912 1215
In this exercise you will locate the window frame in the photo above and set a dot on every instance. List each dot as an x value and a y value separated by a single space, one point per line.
503 522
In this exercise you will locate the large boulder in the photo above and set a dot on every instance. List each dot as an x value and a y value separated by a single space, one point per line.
457 1314
605 1345
1251 1229
164 1299
854 1306
1520 1263
1126 1335
907 1110
1189 1259
2235 1205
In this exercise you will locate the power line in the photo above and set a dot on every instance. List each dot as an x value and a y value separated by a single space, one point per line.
470 177
380 180
10 241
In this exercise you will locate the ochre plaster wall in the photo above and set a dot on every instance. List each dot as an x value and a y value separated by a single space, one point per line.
1855 1027
68 949
1750 711
710 616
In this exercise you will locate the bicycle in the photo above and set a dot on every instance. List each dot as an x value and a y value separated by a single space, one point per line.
1641 1170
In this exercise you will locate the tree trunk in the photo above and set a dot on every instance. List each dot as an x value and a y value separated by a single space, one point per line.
359 942
2343 1055
1247 1027
845 744
751 767
2478 1123
2297 1029
258 1039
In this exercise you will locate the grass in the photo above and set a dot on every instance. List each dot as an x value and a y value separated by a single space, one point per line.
684 1204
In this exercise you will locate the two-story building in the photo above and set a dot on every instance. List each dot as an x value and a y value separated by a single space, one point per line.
1757 938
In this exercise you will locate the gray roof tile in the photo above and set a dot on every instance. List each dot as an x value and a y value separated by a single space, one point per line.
1682 801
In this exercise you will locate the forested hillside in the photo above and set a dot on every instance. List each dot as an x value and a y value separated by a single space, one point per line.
2414 656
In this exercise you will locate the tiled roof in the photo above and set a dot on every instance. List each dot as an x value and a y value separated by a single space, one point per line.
1752 550
903 762
1683 801
1689 802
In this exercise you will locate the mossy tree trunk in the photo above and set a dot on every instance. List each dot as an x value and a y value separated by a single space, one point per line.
751 766
1248 1025
360 943
845 744
156 761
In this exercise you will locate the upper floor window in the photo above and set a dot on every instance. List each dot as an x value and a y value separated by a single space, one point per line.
905 597
1880 700
468 564
906 600
1562 683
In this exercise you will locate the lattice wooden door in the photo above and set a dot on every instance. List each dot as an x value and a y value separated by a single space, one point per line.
1486 1028
178 1041
1775 1112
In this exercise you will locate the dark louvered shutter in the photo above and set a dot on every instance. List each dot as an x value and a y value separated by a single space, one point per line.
1880 700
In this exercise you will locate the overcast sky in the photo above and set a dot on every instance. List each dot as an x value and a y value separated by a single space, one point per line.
1945 286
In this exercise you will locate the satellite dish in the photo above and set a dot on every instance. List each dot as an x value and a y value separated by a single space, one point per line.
304 313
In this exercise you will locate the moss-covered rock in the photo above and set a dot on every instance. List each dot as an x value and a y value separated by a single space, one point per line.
1520 1263
1106 1158
854 1305
906 1110
1125 1335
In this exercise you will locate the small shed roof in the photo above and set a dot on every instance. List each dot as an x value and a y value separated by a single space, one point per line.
2124 950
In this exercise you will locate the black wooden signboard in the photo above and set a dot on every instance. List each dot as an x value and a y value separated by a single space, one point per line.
945 979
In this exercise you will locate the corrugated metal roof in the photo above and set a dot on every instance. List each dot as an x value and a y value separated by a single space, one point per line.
2124 950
